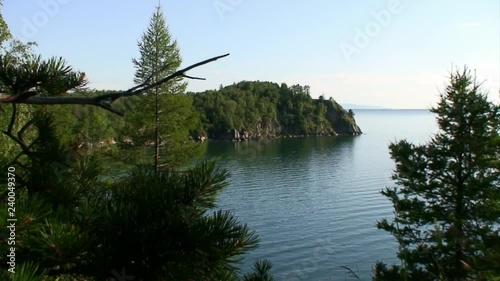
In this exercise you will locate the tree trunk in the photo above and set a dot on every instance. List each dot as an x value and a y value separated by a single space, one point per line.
459 273
157 145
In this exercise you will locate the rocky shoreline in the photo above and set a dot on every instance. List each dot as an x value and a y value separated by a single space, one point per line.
235 135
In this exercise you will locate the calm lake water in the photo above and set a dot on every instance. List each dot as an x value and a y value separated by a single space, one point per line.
314 201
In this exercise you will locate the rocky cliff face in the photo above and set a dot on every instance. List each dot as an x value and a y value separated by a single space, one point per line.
340 122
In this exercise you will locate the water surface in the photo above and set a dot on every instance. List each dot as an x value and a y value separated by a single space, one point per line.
314 201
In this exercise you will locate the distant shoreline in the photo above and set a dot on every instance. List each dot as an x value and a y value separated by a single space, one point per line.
389 109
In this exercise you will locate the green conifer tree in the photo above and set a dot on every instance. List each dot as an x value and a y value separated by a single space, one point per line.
165 115
447 194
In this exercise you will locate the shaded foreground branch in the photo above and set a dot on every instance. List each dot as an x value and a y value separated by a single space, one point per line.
104 101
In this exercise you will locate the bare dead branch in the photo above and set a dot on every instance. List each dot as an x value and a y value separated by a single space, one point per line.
18 141
24 96
20 134
16 161
350 272
192 77
13 118
103 101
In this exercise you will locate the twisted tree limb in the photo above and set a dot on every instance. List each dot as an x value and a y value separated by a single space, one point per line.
103 101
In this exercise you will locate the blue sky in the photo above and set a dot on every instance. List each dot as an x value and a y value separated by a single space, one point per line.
391 53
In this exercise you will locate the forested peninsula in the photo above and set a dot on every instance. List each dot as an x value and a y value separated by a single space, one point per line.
255 109
243 110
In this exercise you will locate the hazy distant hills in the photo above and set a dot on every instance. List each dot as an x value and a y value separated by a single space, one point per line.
348 106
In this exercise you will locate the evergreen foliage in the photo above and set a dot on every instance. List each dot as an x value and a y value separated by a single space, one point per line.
155 226
447 198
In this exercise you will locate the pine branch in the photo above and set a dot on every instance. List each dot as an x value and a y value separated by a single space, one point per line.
103 101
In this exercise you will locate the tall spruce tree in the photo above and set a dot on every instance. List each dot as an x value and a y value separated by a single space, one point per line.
165 115
447 194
